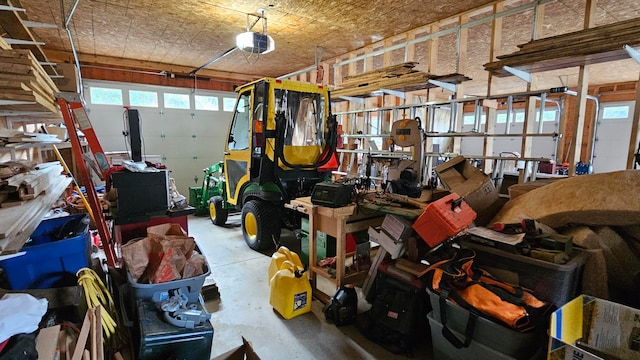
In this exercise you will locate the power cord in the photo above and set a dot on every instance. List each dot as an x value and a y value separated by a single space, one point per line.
96 293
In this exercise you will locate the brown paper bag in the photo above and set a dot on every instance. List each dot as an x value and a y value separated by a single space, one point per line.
136 257
194 266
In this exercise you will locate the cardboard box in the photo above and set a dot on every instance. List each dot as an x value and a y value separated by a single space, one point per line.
475 187
591 328
395 247
69 83
397 227
242 352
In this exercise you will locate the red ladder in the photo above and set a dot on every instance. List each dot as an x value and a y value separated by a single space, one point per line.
75 117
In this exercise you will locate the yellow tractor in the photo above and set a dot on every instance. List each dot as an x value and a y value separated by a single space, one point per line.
281 142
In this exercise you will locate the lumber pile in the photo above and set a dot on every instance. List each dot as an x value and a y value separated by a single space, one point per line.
401 77
18 222
12 138
24 84
56 342
589 46
24 186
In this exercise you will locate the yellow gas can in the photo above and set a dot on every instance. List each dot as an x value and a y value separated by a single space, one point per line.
290 291
283 254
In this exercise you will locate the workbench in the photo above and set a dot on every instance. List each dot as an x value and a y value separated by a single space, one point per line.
336 222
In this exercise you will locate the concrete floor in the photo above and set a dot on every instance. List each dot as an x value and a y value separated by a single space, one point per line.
243 309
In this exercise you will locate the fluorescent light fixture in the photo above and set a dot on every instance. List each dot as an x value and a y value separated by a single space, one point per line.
255 42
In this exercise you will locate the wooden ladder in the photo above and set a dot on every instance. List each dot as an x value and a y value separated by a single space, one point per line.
75 117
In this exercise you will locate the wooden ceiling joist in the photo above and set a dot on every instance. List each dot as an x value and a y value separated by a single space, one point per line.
115 63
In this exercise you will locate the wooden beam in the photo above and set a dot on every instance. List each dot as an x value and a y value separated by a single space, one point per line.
337 77
635 131
368 62
530 104
461 64
432 66
581 100
386 57
123 75
410 52
111 61
352 68
492 114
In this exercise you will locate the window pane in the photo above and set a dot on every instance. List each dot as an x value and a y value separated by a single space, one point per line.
615 112
468 120
207 103
519 116
143 98
228 104
471 119
104 96
549 115
501 118
176 101
240 127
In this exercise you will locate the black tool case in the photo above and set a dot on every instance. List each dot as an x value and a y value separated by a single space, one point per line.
158 340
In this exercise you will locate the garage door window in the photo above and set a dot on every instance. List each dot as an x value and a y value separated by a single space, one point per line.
143 98
176 101
105 96
615 112
209 103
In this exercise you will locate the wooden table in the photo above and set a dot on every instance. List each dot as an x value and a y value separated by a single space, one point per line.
336 222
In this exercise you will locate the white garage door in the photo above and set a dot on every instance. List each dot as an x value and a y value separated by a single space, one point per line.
613 136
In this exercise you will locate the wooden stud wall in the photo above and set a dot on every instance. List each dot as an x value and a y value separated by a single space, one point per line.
577 120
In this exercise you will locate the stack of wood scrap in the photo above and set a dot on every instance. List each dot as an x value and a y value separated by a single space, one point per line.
589 46
63 343
401 77
24 84
28 185
18 222
13 138
602 214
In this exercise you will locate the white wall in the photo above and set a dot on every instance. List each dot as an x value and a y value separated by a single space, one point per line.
186 140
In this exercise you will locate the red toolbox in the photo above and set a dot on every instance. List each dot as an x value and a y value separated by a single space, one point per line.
443 218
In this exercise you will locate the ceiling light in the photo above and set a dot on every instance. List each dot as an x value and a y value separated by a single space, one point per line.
255 42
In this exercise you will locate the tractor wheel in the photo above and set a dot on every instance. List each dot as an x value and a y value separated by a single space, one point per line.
217 213
260 224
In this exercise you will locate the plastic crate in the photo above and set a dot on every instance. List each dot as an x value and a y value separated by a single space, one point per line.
443 218
444 350
190 286
53 256
495 337
556 283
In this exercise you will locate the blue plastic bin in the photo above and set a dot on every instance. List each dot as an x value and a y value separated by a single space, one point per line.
58 248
